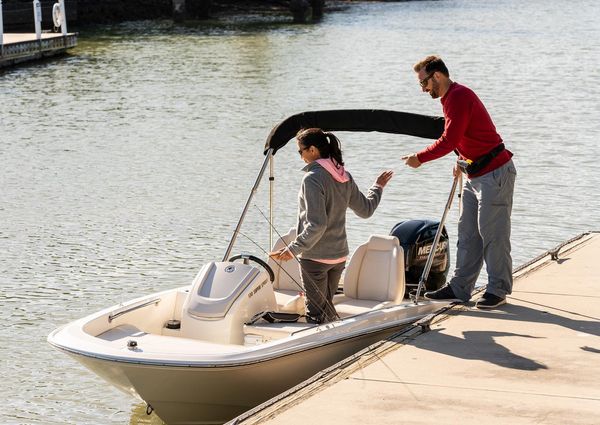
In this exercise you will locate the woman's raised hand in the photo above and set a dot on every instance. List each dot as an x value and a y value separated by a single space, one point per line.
384 178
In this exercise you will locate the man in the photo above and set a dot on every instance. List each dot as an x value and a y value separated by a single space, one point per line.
484 225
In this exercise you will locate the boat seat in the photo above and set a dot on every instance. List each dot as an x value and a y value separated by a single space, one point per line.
287 284
374 277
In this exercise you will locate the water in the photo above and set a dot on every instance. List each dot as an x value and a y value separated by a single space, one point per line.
125 166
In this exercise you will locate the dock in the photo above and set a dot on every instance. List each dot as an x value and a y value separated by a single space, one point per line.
533 360
22 47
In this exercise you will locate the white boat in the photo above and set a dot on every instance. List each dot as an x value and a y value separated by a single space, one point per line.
198 354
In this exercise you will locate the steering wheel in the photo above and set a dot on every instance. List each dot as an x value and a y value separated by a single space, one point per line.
247 257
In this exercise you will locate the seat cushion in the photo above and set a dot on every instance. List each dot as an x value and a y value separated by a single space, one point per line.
346 306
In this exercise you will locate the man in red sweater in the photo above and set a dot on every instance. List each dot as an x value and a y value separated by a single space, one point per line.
484 225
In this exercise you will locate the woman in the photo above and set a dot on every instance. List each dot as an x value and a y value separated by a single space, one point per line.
326 192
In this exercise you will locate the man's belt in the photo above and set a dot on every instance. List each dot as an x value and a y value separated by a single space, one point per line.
472 167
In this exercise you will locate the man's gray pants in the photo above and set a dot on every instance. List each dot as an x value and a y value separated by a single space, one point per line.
484 233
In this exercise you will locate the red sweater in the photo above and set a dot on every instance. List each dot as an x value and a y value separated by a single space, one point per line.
468 129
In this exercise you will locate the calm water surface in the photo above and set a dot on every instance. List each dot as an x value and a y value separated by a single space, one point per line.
124 167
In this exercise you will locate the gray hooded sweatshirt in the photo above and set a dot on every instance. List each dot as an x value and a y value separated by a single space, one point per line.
322 205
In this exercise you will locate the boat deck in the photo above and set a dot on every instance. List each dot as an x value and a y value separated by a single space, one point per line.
119 336
535 360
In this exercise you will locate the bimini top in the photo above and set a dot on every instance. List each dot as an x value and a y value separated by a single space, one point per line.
429 127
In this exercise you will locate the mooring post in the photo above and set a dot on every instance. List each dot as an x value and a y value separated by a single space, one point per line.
37 17
299 9
1 31
63 17
191 9
198 9
317 8
179 11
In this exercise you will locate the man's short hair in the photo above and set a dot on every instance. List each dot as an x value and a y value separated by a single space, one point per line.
432 64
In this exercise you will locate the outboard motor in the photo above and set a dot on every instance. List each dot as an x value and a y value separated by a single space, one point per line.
416 238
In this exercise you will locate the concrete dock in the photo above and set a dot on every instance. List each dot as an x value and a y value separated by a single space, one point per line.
23 47
534 360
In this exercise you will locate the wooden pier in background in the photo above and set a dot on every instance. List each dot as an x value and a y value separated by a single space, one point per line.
22 47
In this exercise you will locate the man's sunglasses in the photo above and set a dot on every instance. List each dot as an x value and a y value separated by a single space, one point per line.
425 80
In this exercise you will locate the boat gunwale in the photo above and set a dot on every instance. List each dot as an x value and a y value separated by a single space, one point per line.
199 365
268 355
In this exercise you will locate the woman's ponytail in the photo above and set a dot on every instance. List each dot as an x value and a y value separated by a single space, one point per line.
335 148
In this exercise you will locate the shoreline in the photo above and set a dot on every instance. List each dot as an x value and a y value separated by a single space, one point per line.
86 13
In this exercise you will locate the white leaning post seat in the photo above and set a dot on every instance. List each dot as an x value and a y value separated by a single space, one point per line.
287 283
374 277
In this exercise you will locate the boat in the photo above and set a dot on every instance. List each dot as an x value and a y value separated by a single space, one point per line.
235 337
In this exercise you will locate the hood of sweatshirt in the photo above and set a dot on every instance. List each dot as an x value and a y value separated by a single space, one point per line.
338 172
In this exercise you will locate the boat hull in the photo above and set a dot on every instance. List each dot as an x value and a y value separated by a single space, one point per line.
214 395
195 381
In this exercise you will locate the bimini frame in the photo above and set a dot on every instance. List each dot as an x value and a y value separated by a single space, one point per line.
361 120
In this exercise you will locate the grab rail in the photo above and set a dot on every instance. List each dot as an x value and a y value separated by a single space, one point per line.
129 309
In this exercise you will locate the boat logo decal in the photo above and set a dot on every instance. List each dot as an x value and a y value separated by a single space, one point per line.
425 250
258 288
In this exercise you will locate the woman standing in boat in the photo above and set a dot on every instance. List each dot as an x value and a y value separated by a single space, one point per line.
326 192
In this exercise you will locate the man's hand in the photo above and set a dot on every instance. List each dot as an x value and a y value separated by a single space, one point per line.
456 171
283 254
411 160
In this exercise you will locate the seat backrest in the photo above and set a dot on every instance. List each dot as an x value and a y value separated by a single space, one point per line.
287 273
376 271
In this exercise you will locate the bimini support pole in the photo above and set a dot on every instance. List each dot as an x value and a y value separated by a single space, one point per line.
436 239
460 194
271 197
268 159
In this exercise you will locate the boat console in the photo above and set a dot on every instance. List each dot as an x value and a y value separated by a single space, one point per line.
223 296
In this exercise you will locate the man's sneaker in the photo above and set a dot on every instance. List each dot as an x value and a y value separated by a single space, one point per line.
444 293
489 301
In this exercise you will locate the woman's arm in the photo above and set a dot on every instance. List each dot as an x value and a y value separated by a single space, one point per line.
364 205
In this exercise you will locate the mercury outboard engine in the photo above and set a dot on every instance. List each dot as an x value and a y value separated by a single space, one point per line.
416 238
